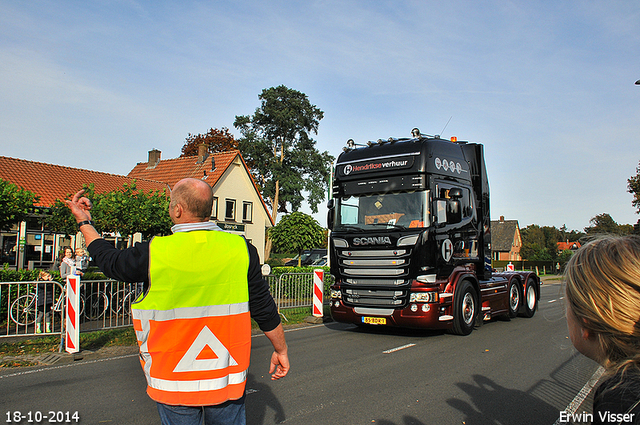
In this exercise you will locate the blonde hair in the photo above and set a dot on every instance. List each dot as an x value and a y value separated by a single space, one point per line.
602 282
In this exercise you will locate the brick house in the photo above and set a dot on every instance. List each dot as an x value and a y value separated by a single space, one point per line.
29 244
238 206
506 241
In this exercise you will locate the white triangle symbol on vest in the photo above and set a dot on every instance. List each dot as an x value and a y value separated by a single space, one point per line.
190 361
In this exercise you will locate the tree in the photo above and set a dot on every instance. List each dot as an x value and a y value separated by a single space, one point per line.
125 211
604 223
296 232
282 157
215 140
633 187
15 204
539 243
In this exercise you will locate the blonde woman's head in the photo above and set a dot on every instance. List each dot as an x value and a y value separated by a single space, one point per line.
602 282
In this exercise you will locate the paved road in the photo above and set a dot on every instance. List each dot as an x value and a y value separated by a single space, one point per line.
519 372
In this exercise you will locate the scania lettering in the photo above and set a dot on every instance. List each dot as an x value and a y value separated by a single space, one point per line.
380 240
410 241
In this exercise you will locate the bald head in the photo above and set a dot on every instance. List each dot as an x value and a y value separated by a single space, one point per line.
191 201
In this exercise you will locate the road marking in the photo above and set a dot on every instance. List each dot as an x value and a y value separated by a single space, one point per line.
551 301
584 392
393 350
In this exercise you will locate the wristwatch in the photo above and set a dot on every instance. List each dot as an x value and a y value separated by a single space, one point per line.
82 223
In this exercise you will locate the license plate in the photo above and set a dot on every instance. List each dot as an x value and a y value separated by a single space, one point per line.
374 320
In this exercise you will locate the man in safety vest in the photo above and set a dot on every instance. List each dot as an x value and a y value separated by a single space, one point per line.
192 322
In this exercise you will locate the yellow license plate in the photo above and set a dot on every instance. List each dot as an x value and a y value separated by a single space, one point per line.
374 320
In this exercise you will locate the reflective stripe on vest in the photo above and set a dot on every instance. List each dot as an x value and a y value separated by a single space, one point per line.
193 325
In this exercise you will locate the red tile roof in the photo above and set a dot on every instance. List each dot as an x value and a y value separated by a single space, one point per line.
170 171
52 182
572 246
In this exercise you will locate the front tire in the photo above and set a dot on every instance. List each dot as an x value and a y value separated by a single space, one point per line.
465 309
23 310
531 298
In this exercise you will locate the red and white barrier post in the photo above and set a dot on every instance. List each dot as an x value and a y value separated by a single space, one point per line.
318 289
72 329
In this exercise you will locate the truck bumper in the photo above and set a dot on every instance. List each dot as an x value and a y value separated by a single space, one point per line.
426 316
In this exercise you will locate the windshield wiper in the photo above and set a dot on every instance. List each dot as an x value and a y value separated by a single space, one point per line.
387 225
344 227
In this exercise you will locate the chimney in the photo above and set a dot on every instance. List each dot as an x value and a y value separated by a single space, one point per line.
202 153
501 219
154 158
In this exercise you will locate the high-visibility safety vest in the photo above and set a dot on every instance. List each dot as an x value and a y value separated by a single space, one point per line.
193 325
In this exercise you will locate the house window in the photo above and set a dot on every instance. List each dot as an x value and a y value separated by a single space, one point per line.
230 210
247 211
214 209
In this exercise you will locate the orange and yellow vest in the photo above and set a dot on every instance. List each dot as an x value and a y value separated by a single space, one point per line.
193 324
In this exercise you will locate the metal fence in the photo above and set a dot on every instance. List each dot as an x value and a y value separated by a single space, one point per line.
106 304
33 308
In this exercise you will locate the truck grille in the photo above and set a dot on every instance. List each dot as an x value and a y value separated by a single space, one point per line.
375 278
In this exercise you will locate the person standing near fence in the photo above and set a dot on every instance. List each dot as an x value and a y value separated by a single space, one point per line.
44 302
602 283
192 322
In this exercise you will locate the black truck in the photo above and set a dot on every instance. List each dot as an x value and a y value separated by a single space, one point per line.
410 242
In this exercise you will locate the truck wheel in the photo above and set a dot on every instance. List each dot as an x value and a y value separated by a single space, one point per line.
530 299
515 297
465 309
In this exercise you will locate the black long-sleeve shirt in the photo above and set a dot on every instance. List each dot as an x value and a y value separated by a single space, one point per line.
132 265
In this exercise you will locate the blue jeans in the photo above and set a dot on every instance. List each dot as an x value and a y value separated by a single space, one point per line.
230 413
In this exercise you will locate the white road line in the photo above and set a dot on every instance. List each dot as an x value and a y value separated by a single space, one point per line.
584 392
551 301
393 350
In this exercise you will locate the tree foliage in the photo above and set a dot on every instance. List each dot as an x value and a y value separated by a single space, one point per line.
604 223
125 211
541 243
283 158
296 232
15 204
633 187
215 140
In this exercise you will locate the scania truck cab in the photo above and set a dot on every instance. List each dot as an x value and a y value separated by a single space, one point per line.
410 242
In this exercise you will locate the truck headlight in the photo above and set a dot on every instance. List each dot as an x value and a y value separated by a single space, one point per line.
336 294
423 297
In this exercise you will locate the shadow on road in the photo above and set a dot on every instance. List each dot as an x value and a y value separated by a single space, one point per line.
384 330
493 404
259 400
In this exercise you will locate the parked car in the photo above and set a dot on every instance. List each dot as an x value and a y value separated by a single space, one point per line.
307 257
320 261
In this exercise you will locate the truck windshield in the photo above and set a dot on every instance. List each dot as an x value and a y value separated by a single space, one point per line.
402 210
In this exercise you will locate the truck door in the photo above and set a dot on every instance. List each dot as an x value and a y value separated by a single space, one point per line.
455 222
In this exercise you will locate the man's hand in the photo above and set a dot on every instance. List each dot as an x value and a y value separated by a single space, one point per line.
279 358
80 206
279 364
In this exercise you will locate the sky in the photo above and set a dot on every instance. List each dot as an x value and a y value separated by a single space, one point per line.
546 86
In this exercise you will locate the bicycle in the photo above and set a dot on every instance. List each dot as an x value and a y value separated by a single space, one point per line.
123 298
24 309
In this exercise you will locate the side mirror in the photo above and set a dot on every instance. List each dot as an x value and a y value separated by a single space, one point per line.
455 193
454 215
331 206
